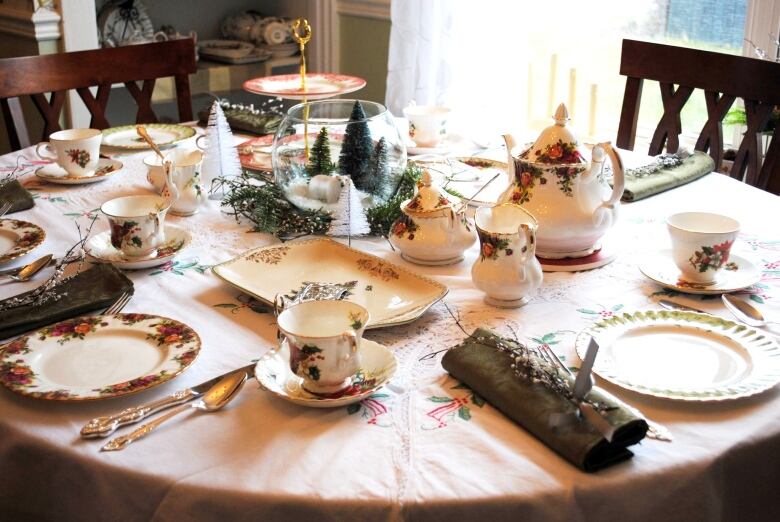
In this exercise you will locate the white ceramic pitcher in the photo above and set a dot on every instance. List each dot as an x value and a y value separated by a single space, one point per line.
182 185
507 269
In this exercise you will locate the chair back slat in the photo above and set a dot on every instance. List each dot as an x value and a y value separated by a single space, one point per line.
36 76
723 78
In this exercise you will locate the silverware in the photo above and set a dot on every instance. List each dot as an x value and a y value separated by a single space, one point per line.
118 305
671 305
654 430
745 312
214 399
15 271
4 208
27 271
105 426
141 130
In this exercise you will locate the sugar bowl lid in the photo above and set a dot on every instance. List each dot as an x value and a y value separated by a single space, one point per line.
428 201
557 144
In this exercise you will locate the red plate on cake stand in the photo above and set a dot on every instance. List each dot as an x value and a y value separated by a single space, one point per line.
318 86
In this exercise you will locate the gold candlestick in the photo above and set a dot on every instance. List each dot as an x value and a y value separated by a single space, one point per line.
302 39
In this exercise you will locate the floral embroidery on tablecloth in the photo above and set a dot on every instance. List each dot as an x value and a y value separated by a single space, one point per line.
604 313
179 267
89 214
450 409
245 302
373 409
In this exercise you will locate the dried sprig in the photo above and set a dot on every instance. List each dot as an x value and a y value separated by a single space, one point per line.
48 290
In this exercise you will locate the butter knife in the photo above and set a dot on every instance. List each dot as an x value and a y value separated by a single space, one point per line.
671 305
105 426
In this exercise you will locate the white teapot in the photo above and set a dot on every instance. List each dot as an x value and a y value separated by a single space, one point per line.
570 198
431 230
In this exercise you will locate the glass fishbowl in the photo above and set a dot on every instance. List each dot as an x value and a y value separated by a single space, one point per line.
321 142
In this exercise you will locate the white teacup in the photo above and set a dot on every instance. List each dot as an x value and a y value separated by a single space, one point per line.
427 124
701 244
75 150
155 174
137 223
324 339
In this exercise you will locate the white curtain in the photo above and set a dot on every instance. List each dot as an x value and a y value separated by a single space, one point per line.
504 65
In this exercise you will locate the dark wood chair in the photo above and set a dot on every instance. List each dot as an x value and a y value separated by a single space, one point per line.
724 78
35 76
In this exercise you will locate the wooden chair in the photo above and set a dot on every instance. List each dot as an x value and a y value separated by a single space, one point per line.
723 78
35 76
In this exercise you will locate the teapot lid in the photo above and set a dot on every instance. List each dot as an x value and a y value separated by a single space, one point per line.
557 144
428 201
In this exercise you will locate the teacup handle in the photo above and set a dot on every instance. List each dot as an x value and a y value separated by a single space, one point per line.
351 336
156 218
46 146
197 142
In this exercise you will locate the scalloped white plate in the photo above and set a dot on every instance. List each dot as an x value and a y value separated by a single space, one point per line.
684 356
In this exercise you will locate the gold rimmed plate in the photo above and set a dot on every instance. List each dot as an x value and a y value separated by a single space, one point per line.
18 238
163 134
393 295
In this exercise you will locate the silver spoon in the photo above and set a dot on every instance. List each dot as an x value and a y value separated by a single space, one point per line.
214 399
745 312
27 271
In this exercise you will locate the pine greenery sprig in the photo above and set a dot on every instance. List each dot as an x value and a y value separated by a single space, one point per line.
258 198
382 216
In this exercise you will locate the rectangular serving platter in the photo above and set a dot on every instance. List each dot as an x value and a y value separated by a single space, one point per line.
392 294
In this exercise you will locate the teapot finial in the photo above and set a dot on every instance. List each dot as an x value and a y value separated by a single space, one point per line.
425 179
561 115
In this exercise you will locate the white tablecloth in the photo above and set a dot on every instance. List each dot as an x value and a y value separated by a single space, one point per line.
408 452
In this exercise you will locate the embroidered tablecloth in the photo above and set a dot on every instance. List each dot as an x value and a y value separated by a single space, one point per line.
423 447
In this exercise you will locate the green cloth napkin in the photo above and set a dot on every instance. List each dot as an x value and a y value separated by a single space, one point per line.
14 192
92 289
693 167
486 370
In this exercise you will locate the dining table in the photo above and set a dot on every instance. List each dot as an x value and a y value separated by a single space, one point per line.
423 447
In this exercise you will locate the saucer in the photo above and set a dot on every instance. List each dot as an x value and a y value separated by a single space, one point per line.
414 150
604 254
53 173
274 374
100 248
662 270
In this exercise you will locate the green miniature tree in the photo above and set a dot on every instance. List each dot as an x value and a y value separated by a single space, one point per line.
319 156
357 147
377 178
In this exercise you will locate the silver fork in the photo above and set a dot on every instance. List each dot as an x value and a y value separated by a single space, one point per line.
654 430
118 305
4 208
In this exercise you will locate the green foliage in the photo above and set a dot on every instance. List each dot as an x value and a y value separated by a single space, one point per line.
319 156
738 117
376 179
381 216
356 147
257 197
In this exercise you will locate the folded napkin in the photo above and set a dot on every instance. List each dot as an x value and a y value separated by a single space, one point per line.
14 192
90 290
640 185
487 371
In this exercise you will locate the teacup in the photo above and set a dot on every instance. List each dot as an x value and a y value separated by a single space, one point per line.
427 124
701 244
324 339
137 224
75 150
155 174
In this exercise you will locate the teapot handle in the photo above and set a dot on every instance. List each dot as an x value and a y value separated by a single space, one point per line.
607 209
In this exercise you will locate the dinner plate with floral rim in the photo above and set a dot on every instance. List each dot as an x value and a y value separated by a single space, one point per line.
18 238
685 356
737 275
98 357
53 173
392 294
318 85
163 134
378 364
176 239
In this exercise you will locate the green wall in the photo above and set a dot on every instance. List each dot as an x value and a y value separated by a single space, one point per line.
364 44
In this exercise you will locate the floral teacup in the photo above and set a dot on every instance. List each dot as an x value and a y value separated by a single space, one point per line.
324 339
427 124
701 244
136 224
75 150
